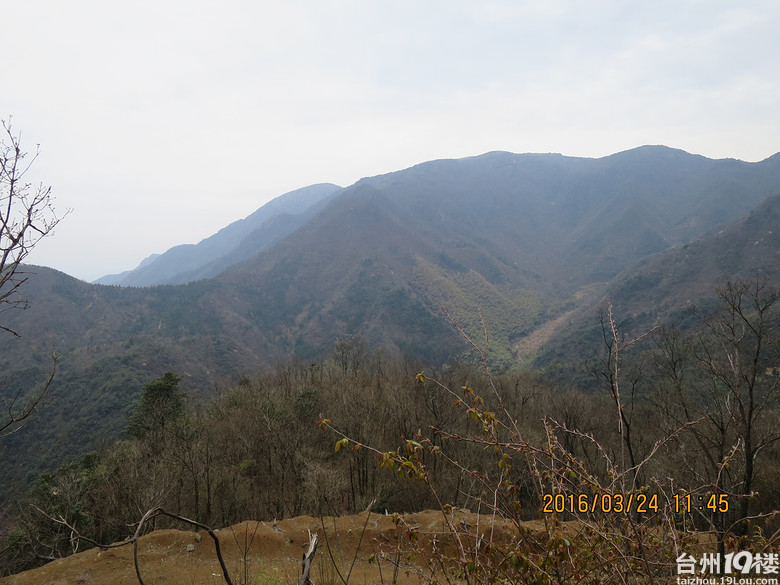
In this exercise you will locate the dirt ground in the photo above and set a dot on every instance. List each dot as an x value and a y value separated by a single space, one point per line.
259 553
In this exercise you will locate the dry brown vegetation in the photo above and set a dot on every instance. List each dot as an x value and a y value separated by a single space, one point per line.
270 552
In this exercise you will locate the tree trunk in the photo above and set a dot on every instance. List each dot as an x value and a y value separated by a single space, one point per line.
307 559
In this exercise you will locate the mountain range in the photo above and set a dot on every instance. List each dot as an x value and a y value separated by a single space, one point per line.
531 243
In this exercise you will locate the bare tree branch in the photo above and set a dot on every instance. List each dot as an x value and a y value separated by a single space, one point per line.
149 515
26 215
19 408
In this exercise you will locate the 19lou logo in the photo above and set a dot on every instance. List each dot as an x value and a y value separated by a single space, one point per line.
743 568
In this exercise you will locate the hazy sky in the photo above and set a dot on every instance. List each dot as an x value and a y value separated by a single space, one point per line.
162 121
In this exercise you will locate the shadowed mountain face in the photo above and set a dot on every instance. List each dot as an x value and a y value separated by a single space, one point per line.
663 288
511 239
666 284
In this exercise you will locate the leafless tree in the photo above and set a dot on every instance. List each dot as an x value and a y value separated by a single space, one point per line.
609 370
739 351
26 216
724 377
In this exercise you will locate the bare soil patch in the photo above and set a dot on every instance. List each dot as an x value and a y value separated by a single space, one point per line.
263 553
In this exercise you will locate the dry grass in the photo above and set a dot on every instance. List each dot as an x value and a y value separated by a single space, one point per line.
273 557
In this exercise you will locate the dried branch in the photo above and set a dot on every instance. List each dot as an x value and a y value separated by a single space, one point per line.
308 558
19 409
26 216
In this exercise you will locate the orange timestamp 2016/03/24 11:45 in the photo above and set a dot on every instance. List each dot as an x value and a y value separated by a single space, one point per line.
639 503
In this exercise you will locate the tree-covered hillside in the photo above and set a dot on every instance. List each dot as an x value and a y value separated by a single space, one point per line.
362 429
521 239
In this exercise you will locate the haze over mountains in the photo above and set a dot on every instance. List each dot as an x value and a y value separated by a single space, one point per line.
241 239
523 239
669 194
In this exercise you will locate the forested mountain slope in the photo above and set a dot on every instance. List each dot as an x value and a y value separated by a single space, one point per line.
517 238
666 289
